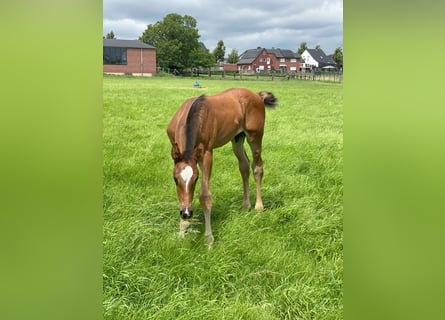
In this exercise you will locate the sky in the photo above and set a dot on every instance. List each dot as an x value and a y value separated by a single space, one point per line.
241 24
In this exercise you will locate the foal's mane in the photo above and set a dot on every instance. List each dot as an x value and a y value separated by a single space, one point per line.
192 127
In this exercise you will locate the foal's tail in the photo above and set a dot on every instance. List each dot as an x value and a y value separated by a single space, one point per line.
268 99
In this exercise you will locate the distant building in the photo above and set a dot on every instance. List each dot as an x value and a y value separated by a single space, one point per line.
128 57
264 60
316 59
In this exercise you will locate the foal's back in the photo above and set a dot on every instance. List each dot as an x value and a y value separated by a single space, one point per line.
221 117
231 112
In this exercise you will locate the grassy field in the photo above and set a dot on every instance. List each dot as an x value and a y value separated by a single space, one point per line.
285 263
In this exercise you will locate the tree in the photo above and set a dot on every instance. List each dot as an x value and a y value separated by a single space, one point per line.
203 57
175 39
303 46
233 56
317 47
338 56
220 51
110 35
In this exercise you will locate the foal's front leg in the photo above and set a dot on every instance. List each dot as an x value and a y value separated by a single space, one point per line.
205 197
183 226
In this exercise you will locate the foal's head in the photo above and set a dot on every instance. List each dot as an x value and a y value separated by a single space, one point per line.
185 175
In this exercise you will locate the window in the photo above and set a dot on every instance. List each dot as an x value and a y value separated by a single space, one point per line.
293 60
115 55
282 60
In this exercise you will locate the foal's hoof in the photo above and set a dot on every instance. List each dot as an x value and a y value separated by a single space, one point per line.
183 226
210 241
259 207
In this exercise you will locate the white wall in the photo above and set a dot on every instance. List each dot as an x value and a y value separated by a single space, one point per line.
308 58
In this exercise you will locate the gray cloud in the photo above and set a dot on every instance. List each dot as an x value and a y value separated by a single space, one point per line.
240 24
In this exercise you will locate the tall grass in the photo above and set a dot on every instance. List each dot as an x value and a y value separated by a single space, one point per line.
285 263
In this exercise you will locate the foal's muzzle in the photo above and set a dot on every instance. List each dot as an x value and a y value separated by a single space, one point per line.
186 213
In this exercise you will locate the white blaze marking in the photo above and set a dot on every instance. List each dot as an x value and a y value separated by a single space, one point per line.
186 175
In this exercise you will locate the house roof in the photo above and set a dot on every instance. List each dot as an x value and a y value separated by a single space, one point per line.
283 53
321 57
248 56
118 43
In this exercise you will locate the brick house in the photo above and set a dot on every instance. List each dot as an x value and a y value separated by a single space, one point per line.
128 57
264 60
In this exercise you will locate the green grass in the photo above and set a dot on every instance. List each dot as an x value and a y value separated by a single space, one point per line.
285 263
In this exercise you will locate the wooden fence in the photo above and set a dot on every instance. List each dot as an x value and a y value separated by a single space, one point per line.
332 76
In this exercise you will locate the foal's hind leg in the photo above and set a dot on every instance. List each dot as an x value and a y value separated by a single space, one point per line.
254 140
243 165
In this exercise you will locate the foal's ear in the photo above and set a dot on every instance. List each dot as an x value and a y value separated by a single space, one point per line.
175 153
